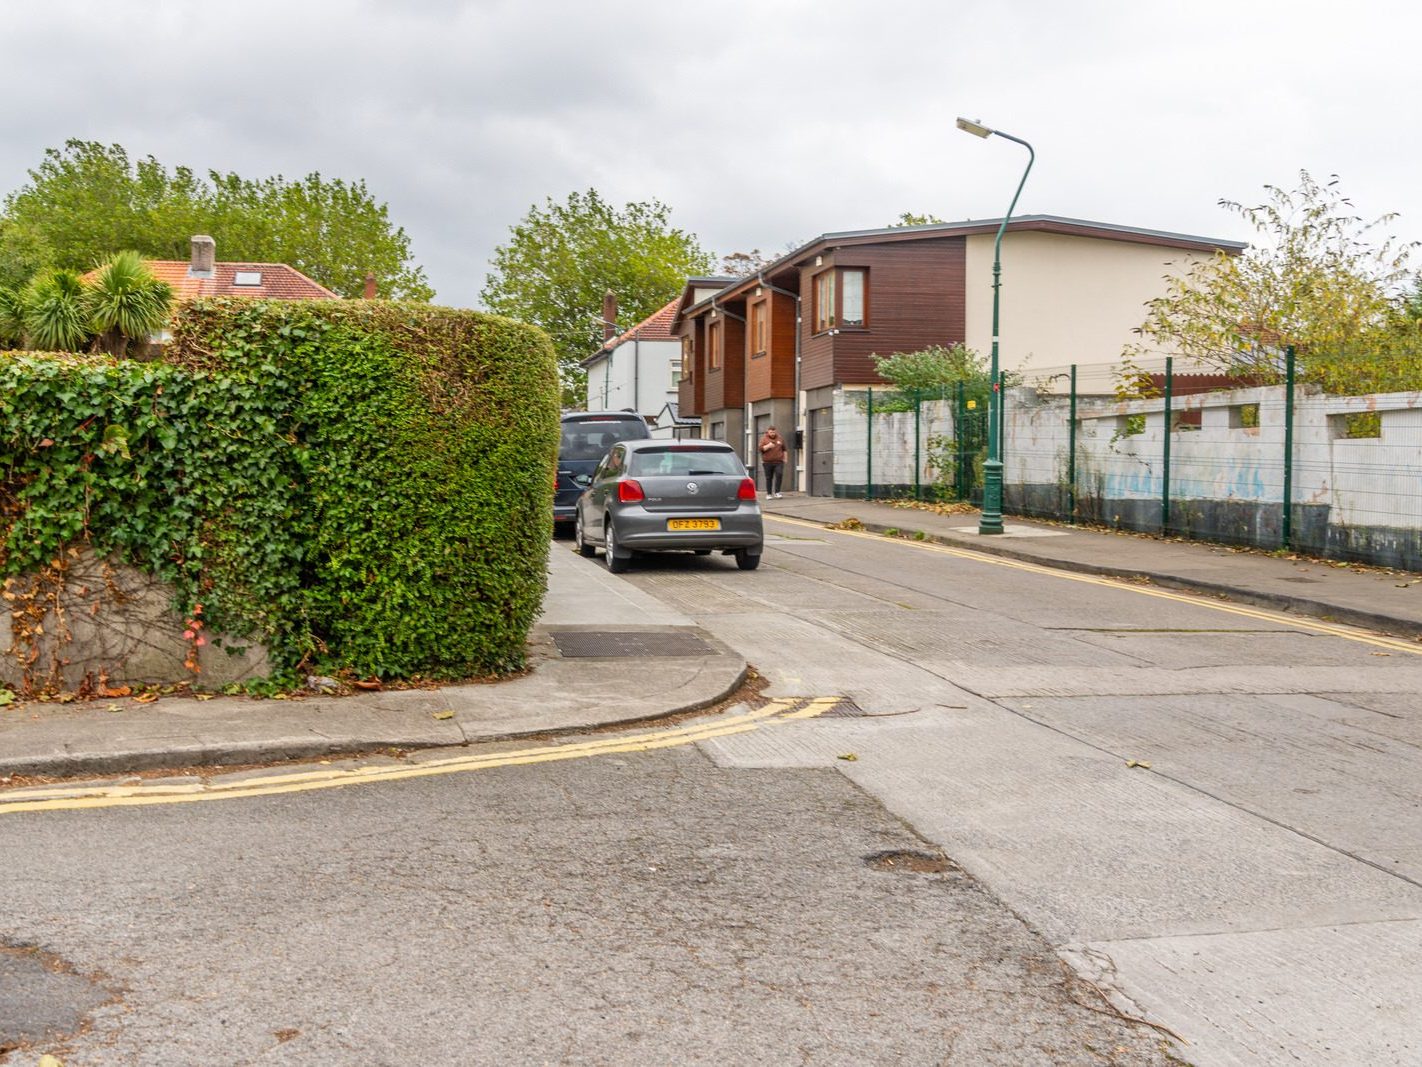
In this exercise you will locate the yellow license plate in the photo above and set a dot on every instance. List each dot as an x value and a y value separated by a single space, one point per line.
693 524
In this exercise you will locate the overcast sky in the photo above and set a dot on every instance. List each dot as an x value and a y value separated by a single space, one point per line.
758 123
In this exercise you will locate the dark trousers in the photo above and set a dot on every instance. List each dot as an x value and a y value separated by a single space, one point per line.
774 476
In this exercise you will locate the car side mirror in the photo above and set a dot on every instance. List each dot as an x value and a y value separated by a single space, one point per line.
583 480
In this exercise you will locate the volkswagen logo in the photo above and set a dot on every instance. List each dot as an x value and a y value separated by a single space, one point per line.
691 487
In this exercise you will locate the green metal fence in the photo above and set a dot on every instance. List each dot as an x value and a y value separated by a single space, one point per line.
1097 444
917 444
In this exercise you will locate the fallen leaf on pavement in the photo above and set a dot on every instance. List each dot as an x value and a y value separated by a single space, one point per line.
444 715
368 683
203 696
145 698
1380 653
848 757
1138 763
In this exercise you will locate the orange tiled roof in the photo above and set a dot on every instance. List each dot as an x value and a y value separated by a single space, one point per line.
279 281
655 327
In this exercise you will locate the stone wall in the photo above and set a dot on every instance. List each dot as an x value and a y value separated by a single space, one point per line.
89 622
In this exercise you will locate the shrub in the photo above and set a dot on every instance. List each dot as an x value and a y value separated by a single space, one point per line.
357 485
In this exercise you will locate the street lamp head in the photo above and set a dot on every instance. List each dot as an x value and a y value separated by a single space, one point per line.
977 129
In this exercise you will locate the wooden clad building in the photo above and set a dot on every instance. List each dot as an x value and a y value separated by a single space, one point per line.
772 348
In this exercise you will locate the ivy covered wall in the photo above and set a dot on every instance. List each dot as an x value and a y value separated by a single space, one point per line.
355 485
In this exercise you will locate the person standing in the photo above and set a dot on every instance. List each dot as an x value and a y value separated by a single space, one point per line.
772 458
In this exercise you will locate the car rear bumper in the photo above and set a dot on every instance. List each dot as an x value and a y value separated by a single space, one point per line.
647 531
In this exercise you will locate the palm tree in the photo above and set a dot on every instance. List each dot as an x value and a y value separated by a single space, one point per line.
12 317
126 302
56 312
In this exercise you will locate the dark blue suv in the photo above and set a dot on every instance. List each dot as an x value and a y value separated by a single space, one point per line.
587 437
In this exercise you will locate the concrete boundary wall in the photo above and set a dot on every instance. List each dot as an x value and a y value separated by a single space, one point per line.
1356 465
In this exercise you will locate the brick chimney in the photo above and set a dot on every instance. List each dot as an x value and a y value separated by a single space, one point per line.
609 315
369 285
204 257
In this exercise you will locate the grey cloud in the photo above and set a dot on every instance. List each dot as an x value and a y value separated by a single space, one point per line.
758 123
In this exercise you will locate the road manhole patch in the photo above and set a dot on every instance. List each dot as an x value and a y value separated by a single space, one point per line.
42 998
909 861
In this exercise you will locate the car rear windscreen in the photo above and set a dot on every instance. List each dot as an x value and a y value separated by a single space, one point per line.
591 438
685 460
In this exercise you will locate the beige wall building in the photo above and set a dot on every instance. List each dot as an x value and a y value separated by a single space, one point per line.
1069 298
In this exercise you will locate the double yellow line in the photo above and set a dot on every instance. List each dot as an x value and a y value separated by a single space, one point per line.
1298 622
62 798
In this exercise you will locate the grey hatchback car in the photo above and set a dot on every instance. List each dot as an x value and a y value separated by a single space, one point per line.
668 496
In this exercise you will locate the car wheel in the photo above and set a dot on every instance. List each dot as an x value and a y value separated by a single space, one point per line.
579 541
745 561
609 548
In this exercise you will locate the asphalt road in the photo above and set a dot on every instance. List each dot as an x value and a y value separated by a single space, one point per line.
1257 888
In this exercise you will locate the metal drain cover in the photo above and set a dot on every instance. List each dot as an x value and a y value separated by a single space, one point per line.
629 643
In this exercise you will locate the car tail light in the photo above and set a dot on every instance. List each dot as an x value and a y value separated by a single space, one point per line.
630 491
746 491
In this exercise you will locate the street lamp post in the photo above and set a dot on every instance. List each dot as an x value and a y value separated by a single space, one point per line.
991 521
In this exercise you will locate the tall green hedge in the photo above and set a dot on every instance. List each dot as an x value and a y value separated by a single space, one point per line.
359 485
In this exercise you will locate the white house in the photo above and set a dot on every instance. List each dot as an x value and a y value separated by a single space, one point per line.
637 369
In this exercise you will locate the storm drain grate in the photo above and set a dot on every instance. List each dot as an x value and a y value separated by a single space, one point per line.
629 643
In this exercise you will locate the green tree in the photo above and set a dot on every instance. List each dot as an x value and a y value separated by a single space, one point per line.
56 312
126 302
88 200
1320 278
936 369
561 258
908 218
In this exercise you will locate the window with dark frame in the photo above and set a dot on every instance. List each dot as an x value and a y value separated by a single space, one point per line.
841 298
713 345
687 349
851 298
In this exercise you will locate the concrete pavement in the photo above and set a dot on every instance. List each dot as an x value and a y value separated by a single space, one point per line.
1377 599
602 653
569 689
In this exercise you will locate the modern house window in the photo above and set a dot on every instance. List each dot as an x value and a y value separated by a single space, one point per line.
841 298
676 377
687 348
851 298
713 345
757 328
824 301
